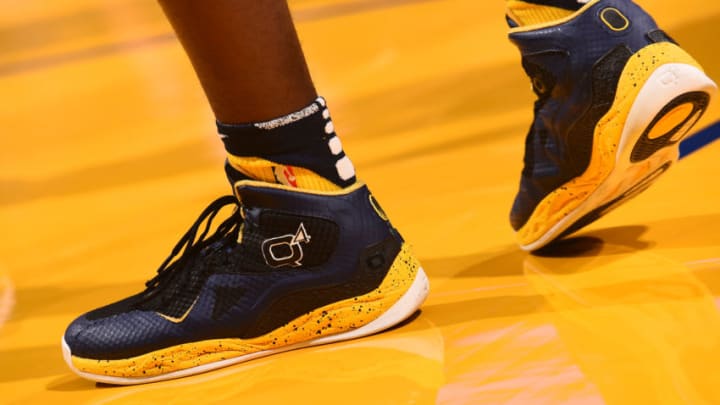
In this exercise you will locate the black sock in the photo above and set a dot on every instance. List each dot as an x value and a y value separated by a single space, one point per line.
299 150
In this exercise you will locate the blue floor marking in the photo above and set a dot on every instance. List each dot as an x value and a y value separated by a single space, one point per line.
700 140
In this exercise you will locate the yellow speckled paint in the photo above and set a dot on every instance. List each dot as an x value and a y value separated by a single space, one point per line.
561 202
332 319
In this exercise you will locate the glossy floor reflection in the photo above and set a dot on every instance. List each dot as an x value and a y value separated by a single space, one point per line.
109 154
659 324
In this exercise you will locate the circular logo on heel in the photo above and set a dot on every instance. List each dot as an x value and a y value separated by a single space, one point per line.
614 19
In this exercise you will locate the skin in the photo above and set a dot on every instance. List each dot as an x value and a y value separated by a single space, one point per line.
246 54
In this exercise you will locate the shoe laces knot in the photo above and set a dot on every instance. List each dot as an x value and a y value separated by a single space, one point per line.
190 244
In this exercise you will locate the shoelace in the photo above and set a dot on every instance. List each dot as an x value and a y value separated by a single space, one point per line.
190 244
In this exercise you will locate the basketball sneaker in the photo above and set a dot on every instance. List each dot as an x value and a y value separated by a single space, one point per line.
615 97
287 269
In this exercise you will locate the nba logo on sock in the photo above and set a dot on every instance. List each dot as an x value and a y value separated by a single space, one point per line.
285 175
286 250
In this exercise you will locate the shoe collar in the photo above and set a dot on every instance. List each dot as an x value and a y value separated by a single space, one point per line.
533 27
239 188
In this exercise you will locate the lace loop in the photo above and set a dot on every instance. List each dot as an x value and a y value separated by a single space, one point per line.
189 244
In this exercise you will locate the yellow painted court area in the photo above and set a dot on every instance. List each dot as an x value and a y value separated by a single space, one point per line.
109 153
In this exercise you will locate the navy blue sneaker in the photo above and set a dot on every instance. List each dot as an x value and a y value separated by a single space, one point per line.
615 97
287 269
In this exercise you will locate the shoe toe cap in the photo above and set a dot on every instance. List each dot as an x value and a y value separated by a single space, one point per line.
88 338
75 329
117 337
